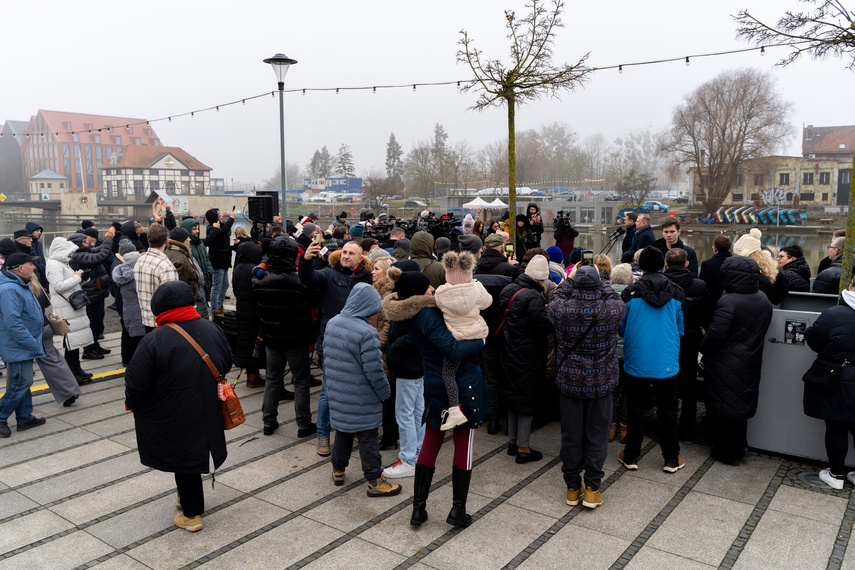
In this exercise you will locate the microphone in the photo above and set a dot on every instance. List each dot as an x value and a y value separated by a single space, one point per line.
617 232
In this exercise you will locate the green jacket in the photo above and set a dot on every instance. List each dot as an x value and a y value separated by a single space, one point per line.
199 252
421 251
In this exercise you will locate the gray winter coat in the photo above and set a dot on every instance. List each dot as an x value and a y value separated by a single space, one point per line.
123 276
353 364
63 283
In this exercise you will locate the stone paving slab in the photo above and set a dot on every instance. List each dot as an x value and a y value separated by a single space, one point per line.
357 554
745 483
68 484
652 559
782 540
576 547
810 505
59 462
66 552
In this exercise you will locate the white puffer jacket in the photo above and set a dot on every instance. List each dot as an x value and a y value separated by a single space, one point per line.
63 283
461 305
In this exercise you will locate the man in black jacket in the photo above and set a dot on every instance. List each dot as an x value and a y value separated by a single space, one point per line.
676 270
96 282
671 239
281 303
643 237
629 220
828 281
792 261
494 272
220 254
711 272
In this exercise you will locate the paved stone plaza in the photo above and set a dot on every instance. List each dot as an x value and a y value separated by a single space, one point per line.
74 495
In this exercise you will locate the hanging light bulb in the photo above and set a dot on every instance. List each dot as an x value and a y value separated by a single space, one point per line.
687 61
375 91
243 101
192 114
336 90
414 87
304 91
218 108
762 50
620 69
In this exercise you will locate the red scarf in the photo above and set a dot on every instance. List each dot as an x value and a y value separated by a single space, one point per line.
176 315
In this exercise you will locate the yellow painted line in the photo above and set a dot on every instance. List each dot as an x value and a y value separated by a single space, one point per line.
45 388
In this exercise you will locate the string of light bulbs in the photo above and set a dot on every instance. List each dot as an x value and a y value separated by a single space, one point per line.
373 88
541 183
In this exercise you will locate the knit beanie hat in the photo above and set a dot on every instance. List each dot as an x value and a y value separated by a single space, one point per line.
357 231
131 258
458 267
555 254
179 234
377 253
91 232
470 243
403 243
748 244
342 216
409 283
651 259
309 228
86 224
468 222
537 268
126 246
494 240
406 265
443 244
587 277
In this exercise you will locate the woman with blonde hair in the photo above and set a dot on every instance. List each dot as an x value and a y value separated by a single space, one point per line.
604 266
773 282
379 321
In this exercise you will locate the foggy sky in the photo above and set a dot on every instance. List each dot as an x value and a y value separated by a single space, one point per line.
160 58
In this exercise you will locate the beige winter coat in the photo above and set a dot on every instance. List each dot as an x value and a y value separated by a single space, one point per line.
461 305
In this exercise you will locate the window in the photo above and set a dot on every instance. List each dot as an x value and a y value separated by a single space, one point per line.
737 180
137 141
586 216
75 137
784 179
825 178
807 197
98 152
608 216
825 196
845 177
154 185
138 188
118 140
138 171
200 173
170 187
130 130
807 178
97 139
736 198
156 142
77 151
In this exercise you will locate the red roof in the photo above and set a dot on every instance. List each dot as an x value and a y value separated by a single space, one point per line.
145 156
828 140
80 123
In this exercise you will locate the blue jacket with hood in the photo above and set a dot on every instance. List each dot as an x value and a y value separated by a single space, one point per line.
353 364
23 320
652 327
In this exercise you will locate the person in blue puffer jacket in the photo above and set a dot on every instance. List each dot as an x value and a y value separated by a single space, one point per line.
356 387
651 334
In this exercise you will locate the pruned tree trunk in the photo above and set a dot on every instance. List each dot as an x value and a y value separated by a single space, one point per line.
512 175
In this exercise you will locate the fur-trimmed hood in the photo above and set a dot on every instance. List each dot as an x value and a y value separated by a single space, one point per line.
384 286
402 310
335 257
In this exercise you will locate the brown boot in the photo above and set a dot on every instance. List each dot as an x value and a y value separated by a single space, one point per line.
622 433
612 432
254 380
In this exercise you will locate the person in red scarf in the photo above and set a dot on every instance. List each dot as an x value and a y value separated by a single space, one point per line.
173 396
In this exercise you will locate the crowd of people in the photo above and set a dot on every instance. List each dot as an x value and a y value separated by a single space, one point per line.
417 337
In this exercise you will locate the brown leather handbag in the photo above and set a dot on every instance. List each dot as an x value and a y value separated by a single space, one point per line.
232 411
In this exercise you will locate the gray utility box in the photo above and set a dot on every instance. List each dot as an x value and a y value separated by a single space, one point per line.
780 424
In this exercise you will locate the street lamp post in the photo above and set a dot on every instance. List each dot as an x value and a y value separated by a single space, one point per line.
281 63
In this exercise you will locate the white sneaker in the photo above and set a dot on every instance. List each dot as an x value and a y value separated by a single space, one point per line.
452 417
851 477
399 469
830 480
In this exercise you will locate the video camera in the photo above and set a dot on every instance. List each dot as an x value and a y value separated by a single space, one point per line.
560 221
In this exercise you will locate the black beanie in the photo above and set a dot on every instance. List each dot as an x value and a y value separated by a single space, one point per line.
86 224
179 234
651 259
91 232
411 284
342 216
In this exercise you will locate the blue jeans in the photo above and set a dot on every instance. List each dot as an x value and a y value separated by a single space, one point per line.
324 412
18 397
409 409
218 291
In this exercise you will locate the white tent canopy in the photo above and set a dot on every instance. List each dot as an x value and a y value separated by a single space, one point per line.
477 203
495 204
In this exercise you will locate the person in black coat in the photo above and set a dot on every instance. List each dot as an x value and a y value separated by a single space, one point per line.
248 256
525 237
677 271
173 396
828 280
671 239
220 254
643 237
795 268
832 336
96 282
733 356
711 271
284 311
629 219
535 221
523 353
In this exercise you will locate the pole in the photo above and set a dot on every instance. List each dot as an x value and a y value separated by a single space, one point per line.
284 209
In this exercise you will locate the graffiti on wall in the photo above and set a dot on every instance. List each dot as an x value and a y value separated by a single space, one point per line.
773 196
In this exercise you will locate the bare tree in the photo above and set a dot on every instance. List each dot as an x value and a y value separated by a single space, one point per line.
529 75
375 185
635 186
493 163
827 30
293 177
420 169
738 115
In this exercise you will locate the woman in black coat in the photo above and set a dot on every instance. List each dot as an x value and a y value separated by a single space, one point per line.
173 396
523 355
832 336
525 237
733 356
248 256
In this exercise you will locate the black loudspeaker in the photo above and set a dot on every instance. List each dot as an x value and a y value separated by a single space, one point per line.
260 209
273 194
